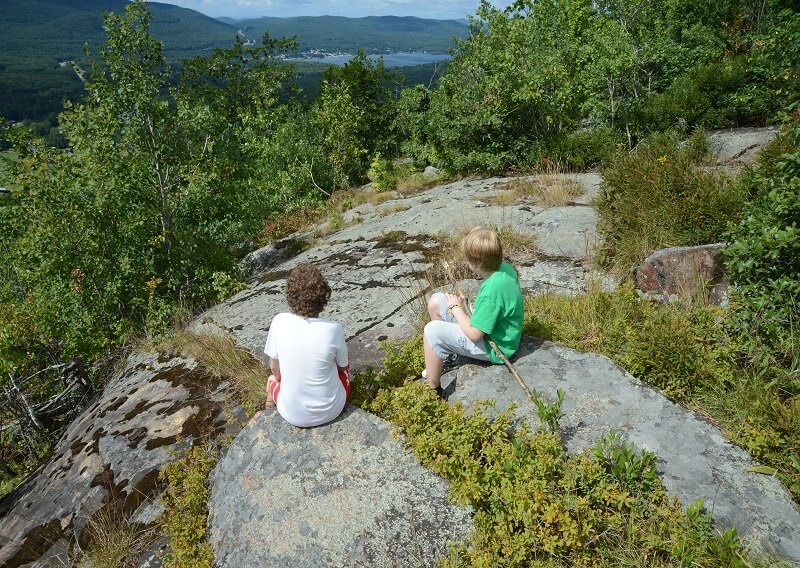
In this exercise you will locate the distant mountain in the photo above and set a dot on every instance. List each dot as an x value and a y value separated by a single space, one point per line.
39 37
59 28
230 21
373 34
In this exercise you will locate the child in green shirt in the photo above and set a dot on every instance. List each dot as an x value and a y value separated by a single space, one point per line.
498 311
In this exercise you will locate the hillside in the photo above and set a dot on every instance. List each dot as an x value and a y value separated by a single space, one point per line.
373 34
36 36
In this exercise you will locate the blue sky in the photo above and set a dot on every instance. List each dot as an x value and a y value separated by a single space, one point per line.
443 10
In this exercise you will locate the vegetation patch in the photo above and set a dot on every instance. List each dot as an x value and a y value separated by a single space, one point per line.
221 355
687 352
111 541
657 197
545 190
185 503
536 506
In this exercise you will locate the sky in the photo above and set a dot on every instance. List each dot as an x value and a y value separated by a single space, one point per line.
434 9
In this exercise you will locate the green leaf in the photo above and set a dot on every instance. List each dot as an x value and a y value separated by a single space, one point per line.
763 469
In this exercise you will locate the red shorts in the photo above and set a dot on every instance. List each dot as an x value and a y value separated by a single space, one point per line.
344 375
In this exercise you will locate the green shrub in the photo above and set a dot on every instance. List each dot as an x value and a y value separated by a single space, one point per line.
382 173
536 506
763 259
657 197
705 96
186 509
585 149
402 362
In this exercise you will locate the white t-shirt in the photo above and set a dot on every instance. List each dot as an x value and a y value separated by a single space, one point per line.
308 351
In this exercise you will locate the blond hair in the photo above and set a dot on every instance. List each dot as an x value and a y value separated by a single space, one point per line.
482 248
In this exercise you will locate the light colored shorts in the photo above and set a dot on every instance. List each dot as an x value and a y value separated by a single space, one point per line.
446 338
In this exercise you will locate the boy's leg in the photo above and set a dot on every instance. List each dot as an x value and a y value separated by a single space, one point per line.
437 308
433 365
443 339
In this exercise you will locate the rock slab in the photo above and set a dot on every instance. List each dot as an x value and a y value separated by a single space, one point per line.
340 495
113 451
695 459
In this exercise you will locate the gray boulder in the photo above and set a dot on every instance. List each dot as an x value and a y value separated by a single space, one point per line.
740 146
114 451
344 494
695 459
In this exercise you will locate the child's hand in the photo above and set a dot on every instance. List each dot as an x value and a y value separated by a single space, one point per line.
452 299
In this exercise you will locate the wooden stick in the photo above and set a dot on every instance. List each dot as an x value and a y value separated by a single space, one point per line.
491 342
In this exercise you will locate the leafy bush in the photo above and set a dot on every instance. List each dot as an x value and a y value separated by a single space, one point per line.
536 506
704 97
584 149
657 197
185 513
402 362
763 259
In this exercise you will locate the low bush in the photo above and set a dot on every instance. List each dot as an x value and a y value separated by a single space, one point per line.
585 149
185 513
706 96
687 353
657 197
536 506
763 259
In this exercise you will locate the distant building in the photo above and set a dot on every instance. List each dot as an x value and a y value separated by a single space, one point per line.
5 193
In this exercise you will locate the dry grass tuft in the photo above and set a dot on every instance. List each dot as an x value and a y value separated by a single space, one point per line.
112 542
328 214
221 355
549 190
418 183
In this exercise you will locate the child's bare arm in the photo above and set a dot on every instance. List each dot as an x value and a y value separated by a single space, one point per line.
275 367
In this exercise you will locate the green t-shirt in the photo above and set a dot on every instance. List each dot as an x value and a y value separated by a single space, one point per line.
499 311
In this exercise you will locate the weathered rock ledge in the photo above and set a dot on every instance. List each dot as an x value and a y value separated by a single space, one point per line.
113 451
340 495
695 459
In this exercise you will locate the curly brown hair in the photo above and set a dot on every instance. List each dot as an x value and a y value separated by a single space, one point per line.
307 291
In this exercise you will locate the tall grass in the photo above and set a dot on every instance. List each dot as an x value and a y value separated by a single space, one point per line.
221 355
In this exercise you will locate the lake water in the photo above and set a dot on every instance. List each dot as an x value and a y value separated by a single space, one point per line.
389 59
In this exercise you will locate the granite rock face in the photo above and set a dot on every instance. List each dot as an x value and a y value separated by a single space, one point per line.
376 267
340 495
115 449
694 458
740 146
692 272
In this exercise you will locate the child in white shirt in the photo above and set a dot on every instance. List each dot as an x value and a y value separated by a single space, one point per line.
310 379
